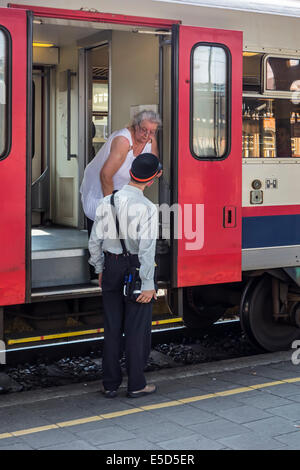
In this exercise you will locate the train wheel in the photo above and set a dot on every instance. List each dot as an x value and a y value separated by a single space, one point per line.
196 313
257 317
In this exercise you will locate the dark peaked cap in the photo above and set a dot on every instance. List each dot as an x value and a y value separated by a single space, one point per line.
145 167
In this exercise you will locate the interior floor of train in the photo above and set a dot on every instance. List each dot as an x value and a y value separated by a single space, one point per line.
57 237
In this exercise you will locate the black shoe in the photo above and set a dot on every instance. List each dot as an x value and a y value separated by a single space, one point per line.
109 393
151 388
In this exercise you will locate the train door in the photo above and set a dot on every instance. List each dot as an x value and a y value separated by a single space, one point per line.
94 103
207 144
15 62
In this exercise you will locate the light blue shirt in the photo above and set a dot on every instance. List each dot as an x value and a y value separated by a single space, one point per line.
138 227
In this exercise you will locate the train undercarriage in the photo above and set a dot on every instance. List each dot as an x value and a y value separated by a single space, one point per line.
266 302
268 307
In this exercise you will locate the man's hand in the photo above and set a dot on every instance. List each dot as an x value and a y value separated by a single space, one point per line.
100 279
146 296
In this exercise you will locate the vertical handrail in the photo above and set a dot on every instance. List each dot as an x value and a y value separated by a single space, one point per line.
70 74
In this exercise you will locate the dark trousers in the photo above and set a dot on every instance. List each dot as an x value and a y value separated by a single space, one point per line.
131 318
90 223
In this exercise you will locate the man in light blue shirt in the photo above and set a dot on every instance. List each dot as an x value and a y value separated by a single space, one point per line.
138 225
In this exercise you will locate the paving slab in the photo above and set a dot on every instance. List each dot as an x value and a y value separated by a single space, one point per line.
132 444
185 415
17 446
243 414
17 419
272 373
218 403
158 434
271 426
262 400
78 444
292 440
252 441
108 434
210 406
294 397
291 411
283 391
219 428
137 420
242 377
195 442
10 441
48 438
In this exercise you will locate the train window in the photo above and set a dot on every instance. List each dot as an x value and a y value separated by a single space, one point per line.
252 71
271 128
282 74
210 68
4 93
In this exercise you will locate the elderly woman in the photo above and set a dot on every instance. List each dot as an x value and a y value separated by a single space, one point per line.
109 169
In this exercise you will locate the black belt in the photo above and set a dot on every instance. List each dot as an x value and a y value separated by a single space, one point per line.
131 260
108 253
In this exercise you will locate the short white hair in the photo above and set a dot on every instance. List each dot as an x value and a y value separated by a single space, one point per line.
146 115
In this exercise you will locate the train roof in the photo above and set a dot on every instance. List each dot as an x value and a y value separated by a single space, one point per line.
273 7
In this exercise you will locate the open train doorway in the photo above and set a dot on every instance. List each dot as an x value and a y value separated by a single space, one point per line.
89 79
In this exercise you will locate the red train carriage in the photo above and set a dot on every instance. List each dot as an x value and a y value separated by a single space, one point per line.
60 71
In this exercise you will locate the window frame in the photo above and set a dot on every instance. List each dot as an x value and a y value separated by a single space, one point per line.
266 93
228 99
268 159
8 84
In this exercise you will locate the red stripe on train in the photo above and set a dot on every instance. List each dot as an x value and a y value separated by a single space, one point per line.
259 211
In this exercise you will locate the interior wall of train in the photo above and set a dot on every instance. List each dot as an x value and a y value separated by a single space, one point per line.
88 81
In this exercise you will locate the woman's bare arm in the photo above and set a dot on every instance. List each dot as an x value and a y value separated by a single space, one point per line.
118 152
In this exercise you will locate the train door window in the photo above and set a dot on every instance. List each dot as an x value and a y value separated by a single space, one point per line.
100 92
4 93
100 113
210 67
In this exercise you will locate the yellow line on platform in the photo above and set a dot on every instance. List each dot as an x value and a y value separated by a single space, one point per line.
75 422
155 406
234 391
24 432
268 384
117 414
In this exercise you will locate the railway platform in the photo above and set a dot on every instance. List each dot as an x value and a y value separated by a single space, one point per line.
248 403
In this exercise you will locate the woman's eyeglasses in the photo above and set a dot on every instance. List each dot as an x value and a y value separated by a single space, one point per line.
145 131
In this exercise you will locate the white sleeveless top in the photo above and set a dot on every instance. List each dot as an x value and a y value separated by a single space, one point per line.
91 190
